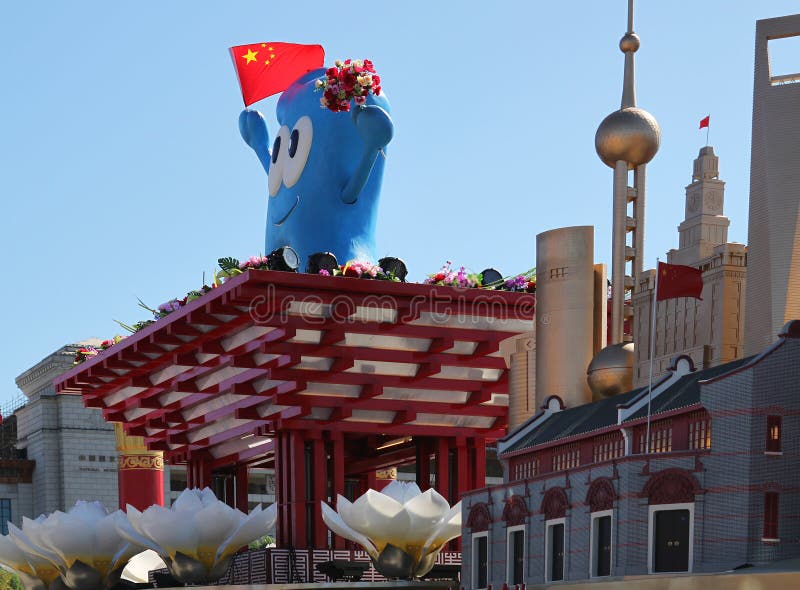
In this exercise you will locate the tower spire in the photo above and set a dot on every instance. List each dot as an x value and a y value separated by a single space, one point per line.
626 141
628 45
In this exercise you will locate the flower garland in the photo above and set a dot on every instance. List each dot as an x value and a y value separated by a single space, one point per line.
348 80
84 353
448 277
231 267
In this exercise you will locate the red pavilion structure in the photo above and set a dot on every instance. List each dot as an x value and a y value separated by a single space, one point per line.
326 379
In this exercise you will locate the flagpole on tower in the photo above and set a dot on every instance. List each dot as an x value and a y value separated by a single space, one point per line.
652 354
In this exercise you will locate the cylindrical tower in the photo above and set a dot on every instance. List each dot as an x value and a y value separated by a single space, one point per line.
627 140
564 313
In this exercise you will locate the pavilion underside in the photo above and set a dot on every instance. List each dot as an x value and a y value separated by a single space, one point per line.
326 379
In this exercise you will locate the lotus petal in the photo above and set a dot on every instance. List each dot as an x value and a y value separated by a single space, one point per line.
215 523
140 565
30 546
447 530
427 510
336 524
254 526
129 533
377 516
13 557
189 500
172 530
401 491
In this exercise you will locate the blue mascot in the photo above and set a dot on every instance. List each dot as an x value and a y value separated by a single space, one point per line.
325 171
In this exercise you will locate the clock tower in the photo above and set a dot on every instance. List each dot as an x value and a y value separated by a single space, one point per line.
704 226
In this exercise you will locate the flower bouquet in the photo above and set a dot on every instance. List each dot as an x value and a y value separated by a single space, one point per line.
524 283
448 277
84 353
346 81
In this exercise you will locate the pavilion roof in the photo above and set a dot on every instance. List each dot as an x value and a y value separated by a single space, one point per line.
270 350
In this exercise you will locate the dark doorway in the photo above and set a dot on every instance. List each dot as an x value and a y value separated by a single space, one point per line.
481 561
603 547
556 552
517 557
671 541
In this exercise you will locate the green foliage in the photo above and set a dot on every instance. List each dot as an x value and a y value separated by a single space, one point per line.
228 263
264 541
9 580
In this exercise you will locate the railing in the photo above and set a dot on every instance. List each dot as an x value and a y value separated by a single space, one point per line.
13 404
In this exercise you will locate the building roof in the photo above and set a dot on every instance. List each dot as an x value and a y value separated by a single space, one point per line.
685 391
604 413
270 351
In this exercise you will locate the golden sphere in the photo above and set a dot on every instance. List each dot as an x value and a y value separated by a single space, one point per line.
629 43
611 371
631 135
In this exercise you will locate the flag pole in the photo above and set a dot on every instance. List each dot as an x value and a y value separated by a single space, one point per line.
652 354
708 128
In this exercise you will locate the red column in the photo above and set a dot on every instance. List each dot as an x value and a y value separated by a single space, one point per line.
337 456
478 463
140 473
296 500
423 463
443 467
281 489
463 475
242 484
319 475
199 466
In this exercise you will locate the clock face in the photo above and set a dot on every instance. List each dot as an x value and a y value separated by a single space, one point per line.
693 203
714 201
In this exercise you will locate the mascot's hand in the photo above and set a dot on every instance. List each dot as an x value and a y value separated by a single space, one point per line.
253 128
374 125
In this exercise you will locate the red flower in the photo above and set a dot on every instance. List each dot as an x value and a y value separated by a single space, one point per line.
376 80
439 277
368 66
332 72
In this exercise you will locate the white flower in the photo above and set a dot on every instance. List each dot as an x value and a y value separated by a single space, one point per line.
26 564
84 537
401 515
200 528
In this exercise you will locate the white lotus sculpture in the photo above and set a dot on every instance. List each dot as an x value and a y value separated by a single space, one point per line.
198 535
34 572
401 528
82 545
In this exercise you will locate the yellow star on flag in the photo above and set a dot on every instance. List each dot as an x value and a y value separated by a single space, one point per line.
250 55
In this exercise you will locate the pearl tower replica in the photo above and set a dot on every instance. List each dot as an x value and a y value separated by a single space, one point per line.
626 141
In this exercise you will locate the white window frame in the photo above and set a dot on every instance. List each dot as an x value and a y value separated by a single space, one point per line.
548 544
595 532
651 526
509 563
475 560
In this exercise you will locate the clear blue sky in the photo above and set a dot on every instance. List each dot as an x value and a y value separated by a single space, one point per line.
122 173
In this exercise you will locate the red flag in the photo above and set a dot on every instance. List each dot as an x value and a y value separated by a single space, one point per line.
676 280
265 69
704 122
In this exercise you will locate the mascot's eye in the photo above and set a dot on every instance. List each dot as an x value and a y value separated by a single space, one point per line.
299 148
279 160
276 147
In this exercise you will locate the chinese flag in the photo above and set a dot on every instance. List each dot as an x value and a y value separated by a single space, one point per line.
676 280
704 122
265 69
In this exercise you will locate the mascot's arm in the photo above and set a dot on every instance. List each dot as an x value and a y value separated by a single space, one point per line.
253 128
375 127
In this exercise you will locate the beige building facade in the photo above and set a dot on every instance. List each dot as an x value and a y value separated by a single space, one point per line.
773 291
711 330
